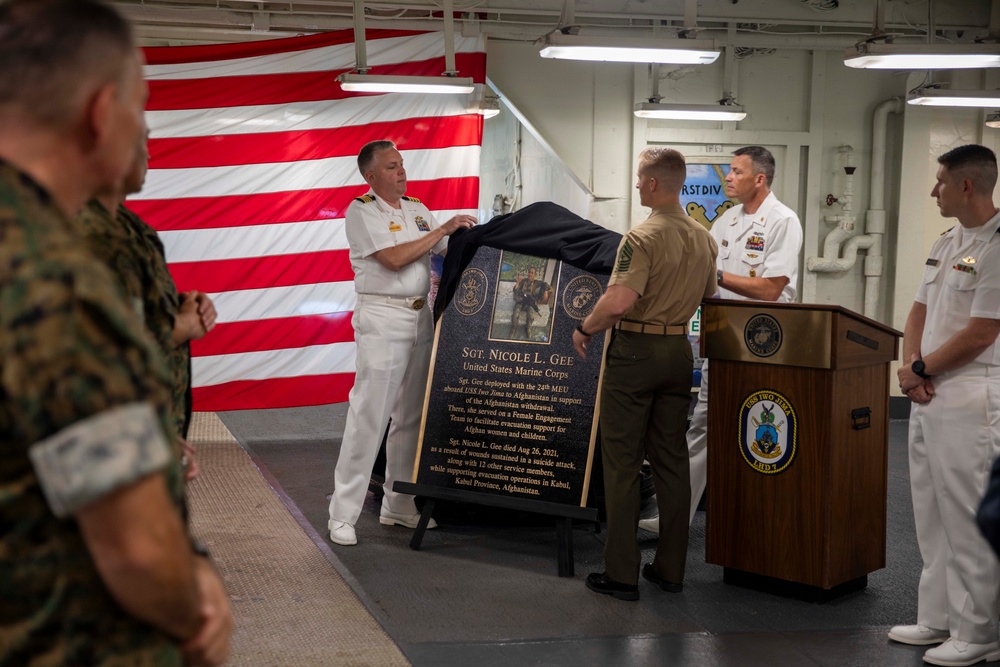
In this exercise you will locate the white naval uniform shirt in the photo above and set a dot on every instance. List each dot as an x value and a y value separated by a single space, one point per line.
375 225
765 244
962 280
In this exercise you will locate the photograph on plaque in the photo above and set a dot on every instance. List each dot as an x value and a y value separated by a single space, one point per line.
506 416
523 299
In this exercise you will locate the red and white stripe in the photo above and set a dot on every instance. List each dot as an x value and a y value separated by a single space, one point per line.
252 166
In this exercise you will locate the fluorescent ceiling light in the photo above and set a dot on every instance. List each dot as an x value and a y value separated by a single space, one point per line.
942 97
690 111
993 119
629 50
383 83
879 55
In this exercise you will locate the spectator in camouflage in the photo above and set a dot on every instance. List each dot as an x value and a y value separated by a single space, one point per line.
134 253
97 566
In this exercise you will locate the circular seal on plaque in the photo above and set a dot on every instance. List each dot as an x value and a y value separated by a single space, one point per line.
470 297
768 432
762 334
580 296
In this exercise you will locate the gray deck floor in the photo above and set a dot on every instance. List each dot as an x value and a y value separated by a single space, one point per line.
483 589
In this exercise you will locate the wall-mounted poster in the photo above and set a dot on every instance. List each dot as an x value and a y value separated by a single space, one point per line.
704 194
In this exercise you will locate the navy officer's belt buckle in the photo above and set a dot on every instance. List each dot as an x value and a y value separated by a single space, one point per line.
418 304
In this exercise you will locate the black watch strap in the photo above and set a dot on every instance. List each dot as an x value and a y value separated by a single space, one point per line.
199 549
579 327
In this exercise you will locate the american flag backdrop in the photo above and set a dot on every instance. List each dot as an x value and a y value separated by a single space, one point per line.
252 166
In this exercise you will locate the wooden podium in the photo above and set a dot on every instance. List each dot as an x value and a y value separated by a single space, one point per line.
797 458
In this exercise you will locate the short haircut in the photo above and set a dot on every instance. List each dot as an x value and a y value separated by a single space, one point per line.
665 165
367 155
761 159
974 162
53 51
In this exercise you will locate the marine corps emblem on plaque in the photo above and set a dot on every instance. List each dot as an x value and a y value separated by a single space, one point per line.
768 432
580 296
470 297
762 334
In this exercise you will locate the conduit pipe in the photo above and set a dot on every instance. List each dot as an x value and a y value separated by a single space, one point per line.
831 261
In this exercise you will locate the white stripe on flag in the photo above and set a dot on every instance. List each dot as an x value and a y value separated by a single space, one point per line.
205 245
385 51
268 364
427 164
294 301
300 116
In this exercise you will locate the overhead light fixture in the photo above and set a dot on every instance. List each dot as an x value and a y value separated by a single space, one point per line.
881 55
719 111
993 119
384 83
489 107
360 81
629 49
944 97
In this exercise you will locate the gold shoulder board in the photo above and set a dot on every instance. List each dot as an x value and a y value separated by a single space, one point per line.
412 199
365 199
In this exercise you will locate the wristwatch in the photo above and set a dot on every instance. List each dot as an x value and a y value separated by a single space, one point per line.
918 368
579 327
718 276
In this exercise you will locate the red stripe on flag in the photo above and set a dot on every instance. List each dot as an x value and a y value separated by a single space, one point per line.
286 87
275 334
176 55
294 206
274 393
272 147
228 275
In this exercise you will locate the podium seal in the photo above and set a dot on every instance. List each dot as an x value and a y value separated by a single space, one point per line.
762 334
768 432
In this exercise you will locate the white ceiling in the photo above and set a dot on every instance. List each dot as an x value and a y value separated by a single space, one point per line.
764 23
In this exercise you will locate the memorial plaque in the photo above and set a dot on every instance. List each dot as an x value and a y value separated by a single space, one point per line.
510 410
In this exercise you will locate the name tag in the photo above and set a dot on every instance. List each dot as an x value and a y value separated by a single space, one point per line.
932 262
395 226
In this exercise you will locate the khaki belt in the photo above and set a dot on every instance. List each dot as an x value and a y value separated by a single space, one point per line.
655 329
411 302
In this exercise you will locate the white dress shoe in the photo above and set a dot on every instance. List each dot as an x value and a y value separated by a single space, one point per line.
917 635
387 518
342 533
652 524
955 653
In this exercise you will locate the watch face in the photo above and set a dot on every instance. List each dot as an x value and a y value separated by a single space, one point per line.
918 367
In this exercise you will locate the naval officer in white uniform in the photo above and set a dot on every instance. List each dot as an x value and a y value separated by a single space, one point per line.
759 242
951 372
391 237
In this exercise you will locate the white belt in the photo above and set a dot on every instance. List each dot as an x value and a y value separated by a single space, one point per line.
411 302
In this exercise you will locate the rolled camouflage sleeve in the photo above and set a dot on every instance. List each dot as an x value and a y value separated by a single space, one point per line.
98 455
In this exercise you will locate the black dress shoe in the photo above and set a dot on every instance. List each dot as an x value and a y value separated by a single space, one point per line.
649 573
599 582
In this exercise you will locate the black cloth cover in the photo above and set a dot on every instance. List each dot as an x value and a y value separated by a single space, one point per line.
988 516
543 229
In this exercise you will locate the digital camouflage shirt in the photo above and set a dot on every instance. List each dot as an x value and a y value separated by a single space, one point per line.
83 412
134 253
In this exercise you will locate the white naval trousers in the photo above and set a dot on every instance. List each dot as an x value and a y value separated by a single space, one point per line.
393 356
697 441
953 441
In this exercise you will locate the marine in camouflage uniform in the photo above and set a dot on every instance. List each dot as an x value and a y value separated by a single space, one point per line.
78 376
134 253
